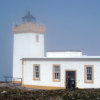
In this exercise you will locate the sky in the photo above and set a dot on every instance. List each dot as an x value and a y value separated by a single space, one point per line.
70 25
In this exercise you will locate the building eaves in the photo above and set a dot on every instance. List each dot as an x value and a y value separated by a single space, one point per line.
87 58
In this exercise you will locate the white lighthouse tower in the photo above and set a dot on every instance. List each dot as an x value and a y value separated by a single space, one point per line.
28 42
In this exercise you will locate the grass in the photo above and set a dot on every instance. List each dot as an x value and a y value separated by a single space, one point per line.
69 94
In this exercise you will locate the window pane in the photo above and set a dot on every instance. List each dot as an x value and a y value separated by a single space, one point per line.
57 72
37 38
36 69
56 68
37 74
89 73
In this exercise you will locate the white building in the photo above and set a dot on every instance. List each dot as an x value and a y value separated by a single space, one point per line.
58 70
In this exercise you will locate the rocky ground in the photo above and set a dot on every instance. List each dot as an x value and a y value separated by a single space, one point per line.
18 93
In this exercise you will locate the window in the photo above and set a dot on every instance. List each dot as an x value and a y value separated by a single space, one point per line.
56 72
36 72
88 74
37 38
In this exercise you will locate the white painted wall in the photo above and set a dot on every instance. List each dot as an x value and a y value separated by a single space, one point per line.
63 54
25 46
46 68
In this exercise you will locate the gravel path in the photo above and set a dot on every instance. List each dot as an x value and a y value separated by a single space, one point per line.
14 86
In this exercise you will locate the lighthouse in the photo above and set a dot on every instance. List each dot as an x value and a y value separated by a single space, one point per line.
28 42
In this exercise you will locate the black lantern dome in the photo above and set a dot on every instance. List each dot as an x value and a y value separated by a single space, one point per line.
29 18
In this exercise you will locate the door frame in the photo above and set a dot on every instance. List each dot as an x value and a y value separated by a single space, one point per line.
75 77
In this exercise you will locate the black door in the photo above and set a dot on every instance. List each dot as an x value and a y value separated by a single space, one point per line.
70 79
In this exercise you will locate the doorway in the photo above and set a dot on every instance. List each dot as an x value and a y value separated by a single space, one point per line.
70 79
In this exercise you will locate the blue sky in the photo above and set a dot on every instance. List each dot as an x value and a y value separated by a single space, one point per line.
70 25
